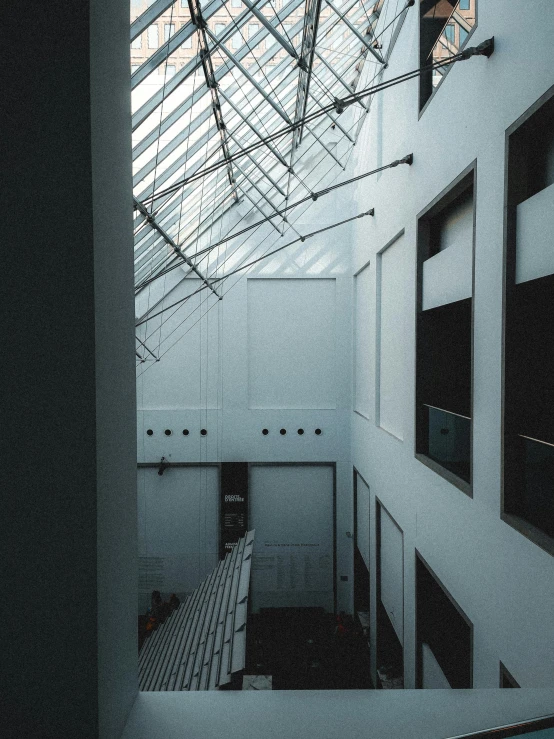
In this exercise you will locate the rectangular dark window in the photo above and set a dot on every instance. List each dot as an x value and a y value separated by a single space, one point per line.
390 601
463 5
444 638
444 334
528 501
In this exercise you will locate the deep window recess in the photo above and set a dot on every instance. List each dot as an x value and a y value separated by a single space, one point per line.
390 601
153 37
444 27
528 502
361 553
506 679
443 635
444 334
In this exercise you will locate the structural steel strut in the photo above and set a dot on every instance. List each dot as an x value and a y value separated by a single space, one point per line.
207 66
167 238
305 64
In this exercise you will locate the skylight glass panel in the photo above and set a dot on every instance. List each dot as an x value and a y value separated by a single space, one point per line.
204 130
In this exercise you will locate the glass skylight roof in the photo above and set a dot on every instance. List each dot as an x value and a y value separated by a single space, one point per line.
202 95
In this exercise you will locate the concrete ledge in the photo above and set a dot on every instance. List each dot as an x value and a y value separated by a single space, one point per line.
349 714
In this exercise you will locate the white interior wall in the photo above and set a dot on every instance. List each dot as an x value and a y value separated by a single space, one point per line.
187 376
492 571
298 306
433 677
478 557
178 529
291 510
291 343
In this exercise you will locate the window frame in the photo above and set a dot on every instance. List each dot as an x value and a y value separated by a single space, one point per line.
438 204
423 108
169 31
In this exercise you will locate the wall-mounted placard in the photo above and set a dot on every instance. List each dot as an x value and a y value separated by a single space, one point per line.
233 506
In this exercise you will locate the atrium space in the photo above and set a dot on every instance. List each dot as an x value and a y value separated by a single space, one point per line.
278 443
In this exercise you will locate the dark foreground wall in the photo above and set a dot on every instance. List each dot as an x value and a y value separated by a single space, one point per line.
67 438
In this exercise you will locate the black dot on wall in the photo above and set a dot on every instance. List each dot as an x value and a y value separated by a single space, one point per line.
167 432
149 432
300 432
265 432
283 432
185 432
203 432
318 432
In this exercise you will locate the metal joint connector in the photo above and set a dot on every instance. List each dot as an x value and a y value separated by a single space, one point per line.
485 48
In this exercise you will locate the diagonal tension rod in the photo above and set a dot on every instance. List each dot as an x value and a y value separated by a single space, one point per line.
339 105
408 159
167 238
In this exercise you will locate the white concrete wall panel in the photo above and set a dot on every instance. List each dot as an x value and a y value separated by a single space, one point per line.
504 582
457 226
291 348
392 284
291 509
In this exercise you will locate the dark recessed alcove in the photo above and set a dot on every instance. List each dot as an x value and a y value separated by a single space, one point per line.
441 624
528 450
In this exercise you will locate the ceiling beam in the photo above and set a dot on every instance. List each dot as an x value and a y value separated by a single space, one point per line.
309 39
211 83
355 31
167 238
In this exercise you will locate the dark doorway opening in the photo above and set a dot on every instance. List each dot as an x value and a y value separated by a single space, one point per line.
307 649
